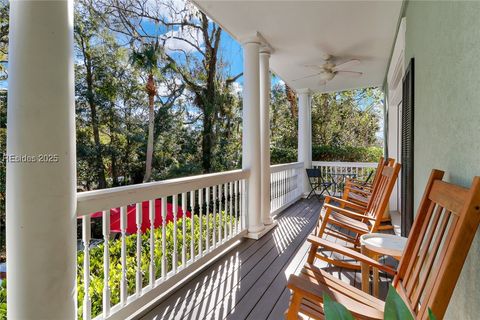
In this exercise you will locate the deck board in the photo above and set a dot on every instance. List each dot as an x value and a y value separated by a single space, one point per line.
249 282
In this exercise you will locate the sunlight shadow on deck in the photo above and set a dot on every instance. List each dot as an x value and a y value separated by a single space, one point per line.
250 279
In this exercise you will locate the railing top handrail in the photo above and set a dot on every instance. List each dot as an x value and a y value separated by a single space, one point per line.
285 166
105 199
345 164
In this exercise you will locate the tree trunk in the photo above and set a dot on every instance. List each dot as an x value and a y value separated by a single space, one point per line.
115 182
113 153
102 183
151 120
207 143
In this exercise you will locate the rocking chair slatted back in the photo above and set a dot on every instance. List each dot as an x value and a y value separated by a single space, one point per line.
381 194
438 245
389 162
350 187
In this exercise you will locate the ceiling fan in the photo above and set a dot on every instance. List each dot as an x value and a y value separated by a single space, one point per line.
329 70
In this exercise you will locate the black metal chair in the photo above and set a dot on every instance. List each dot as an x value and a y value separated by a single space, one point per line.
317 183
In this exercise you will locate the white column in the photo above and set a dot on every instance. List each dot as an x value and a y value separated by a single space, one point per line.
251 135
305 134
265 133
41 190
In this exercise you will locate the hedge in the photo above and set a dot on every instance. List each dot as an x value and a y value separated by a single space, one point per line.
328 153
96 260
282 155
346 154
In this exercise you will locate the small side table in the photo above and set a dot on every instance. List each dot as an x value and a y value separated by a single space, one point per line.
375 245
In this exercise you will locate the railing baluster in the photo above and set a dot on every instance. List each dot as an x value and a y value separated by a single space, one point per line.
243 204
86 235
223 200
192 225
151 212
220 214
273 196
289 183
175 240
214 208
207 213
184 229
200 204
123 281
230 188
106 262
277 190
138 278
164 235
237 211
336 184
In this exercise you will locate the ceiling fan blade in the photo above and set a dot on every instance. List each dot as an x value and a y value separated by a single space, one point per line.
351 73
316 66
346 65
306 77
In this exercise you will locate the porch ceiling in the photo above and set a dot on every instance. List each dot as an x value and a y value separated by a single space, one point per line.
301 32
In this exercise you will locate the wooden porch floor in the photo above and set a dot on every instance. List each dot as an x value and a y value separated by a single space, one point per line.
249 282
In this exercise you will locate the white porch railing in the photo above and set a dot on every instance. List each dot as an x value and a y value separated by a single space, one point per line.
285 185
139 266
333 170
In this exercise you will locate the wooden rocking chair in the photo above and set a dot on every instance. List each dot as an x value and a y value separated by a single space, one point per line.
360 192
348 216
443 230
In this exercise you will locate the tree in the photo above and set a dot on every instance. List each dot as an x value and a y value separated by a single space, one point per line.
86 29
197 62
283 125
4 29
146 59
347 118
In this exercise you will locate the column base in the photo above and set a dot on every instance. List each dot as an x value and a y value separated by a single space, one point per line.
258 234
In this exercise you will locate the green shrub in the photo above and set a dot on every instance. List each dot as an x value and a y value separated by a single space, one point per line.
282 155
3 300
96 260
328 153
346 154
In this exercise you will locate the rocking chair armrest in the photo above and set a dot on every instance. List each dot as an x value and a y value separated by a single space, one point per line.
346 203
319 242
360 182
358 186
348 213
305 288
363 192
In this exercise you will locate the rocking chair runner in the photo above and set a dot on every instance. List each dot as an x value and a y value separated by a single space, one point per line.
442 233
361 221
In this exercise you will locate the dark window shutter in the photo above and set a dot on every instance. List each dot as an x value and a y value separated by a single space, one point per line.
407 149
